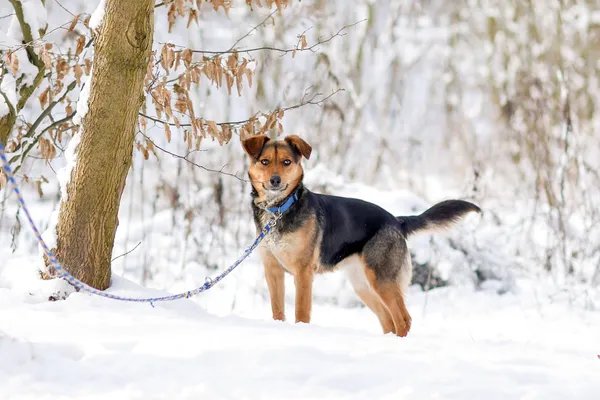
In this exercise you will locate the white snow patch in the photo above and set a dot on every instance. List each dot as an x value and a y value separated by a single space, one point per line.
14 31
9 88
49 236
64 174
83 101
97 16
463 345
35 15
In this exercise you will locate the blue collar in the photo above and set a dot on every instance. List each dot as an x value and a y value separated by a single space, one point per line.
285 206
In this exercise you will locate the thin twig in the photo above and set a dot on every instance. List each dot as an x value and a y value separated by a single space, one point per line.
251 31
64 8
124 254
184 158
296 48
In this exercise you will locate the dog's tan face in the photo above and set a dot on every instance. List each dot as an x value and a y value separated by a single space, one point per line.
275 166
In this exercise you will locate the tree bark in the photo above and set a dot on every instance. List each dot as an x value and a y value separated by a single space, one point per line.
88 218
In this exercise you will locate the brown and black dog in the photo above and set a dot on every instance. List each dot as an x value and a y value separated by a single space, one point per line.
321 233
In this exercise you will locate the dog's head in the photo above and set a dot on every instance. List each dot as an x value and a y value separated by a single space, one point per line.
275 166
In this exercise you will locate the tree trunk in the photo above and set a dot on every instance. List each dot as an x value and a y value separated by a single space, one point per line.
88 218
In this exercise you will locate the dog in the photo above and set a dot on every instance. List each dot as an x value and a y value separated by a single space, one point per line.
321 233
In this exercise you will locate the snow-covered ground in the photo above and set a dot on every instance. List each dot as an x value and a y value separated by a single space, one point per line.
534 341
464 345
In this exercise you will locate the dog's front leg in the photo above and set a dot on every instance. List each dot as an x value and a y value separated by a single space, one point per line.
303 279
274 275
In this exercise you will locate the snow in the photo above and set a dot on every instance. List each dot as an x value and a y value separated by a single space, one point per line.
9 89
515 333
97 16
463 345
15 36
35 15
84 97
64 175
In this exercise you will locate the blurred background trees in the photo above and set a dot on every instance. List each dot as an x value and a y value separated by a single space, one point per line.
490 100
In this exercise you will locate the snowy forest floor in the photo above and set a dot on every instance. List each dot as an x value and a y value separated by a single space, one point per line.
464 344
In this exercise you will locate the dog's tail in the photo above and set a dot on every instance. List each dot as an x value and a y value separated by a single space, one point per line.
441 216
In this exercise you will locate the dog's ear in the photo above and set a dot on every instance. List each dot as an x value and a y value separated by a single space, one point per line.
299 144
254 145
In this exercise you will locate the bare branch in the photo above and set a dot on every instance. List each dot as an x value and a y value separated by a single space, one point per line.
283 52
184 158
31 131
64 8
124 254
251 30
37 138
296 48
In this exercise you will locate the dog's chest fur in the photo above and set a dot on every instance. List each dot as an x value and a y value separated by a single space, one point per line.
292 242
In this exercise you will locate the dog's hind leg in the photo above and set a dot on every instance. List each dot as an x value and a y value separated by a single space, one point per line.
356 272
393 298
388 270
371 300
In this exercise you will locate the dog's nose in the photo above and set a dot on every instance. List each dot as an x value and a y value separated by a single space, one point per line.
275 180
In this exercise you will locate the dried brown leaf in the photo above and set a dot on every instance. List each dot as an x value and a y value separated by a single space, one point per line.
78 71
45 57
180 7
193 16
189 139
164 58
38 184
171 16
167 132
47 149
87 66
213 130
80 45
187 57
227 132
13 62
43 97
73 23
150 145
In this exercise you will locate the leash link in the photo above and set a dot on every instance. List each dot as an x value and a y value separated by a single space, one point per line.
57 270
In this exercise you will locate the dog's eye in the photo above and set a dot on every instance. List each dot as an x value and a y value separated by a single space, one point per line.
264 162
286 162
